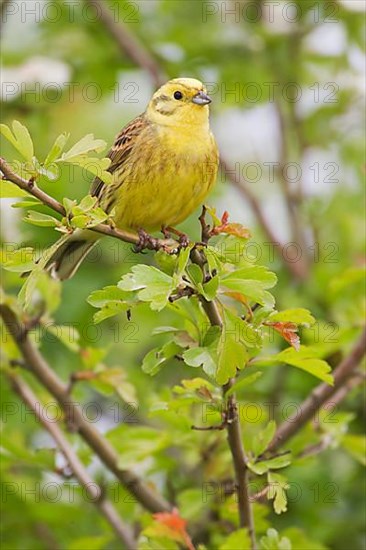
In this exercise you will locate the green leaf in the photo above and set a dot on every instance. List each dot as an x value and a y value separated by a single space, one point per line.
231 349
213 259
183 258
272 541
355 445
256 273
209 289
155 359
206 355
239 540
68 205
79 155
42 220
20 260
251 282
299 316
8 189
195 274
276 463
86 213
20 139
28 288
303 359
153 285
26 203
277 492
84 146
219 358
111 300
232 356
262 439
87 203
198 357
246 380
56 148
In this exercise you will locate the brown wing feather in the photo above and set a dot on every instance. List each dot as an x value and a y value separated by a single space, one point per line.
120 150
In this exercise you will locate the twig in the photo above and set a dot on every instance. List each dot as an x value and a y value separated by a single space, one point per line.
93 490
128 43
150 499
31 187
320 395
232 421
233 427
246 518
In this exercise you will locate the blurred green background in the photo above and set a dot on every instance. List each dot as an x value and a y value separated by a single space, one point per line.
288 88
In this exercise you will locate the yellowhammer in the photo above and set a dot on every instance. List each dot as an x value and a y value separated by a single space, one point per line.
164 163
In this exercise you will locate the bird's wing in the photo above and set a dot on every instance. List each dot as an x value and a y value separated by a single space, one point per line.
120 151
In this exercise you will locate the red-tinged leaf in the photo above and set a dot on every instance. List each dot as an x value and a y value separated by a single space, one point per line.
176 525
171 520
235 229
225 218
289 332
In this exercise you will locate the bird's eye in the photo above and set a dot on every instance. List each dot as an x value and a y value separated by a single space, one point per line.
178 95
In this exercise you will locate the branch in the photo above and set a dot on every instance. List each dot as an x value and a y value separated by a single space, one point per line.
46 376
232 422
128 43
320 395
31 187
235 440
94 491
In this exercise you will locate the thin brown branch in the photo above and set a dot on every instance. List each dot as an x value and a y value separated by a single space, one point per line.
128 42
31 187
146 496
235 440
319 396
326 438
231 422
344 390
92 489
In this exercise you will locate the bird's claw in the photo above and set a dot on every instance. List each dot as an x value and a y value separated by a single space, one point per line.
145 241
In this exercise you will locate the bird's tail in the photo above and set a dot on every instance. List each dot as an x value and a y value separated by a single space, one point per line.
67 258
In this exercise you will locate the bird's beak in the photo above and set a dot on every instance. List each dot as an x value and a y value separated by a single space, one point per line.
201 99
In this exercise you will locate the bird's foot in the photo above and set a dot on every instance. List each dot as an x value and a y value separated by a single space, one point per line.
145 241
183 239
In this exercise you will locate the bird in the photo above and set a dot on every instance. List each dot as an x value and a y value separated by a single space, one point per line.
163 165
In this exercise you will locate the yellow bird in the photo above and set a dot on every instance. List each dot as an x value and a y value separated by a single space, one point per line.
164 163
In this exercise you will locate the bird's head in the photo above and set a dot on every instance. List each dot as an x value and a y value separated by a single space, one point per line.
181 101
